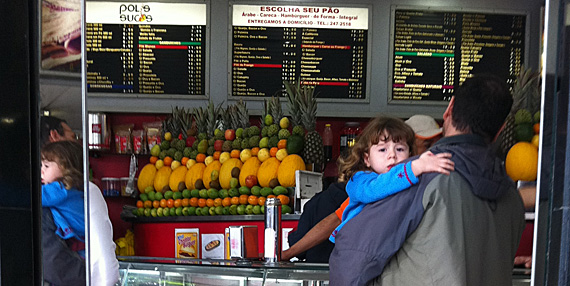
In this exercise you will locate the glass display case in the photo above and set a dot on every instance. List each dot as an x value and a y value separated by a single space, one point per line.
145 271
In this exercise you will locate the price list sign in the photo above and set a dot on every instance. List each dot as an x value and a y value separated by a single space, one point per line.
435 51
145 48
322 46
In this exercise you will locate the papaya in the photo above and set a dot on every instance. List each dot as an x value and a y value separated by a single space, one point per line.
194 173
250 167
267 171
162 178
146 177
226 171
287 169
207 175
176 177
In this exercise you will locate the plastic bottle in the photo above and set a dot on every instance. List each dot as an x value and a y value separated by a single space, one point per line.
348 135
328 142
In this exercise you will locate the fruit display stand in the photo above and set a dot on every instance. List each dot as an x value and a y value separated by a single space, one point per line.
154 237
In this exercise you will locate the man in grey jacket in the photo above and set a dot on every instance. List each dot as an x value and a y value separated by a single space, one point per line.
461 229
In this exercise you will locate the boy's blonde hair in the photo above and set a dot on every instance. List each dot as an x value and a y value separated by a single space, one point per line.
381 128
69 157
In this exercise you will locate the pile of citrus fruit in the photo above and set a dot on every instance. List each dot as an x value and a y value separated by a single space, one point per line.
522 159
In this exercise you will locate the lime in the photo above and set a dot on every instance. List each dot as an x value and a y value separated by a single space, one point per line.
198 211
204 193
256 190
186 193
233 209
168 195
249 209
286 209
240 209
205 211
144 197
178 211
524 132
233 192
191 210
140 212
256 209
219 210
165 211
223 193
212 193
172 211
185 211
153 213
244 190
195 193
151 196
148 189
158 196
177 195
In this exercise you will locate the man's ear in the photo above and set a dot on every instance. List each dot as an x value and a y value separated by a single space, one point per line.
54 136
449 110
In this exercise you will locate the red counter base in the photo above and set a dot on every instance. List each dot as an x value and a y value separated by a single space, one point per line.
157 239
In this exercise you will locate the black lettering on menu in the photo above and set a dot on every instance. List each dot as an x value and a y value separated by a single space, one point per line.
434 52
145 59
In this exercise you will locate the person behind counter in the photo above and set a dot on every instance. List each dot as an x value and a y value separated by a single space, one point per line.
319 219
461 229
60 264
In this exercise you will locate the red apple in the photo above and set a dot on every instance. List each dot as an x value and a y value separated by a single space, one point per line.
218 145
250 181
190 141
230 134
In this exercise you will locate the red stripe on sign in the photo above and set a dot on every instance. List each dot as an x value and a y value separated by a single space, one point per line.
163 47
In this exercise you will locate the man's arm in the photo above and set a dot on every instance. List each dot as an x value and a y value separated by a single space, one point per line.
61 265
319 233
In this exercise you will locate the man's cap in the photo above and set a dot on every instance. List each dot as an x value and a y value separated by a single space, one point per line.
424 126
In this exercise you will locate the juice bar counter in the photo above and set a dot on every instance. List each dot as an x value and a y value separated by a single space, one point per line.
143 271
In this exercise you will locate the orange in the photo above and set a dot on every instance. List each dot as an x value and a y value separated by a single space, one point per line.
216 155
147 204
209 203
201 202
252 200
163 203
178 203
227 201
272 152
200 158
185 202
194 202
153 159
536 128
234 200
167 161
235 153
522 162
184 160
284 199
170 203
140 204
254 151
156 204
243 199
261 201
282 144
217 202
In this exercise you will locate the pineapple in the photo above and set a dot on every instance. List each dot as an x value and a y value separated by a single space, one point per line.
213 121
303 108
243 114
526 95
294 109
276 110
200 117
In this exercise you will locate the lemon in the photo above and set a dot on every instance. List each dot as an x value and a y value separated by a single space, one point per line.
208 160
284 123
245 154
159 163
167 136
281 154
190 163
224 157
263 154
175 164
522 162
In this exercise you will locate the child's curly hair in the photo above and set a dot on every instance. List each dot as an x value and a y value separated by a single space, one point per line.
69 157
381 128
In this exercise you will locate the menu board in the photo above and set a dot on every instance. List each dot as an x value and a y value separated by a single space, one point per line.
318 45
146 48
433 52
